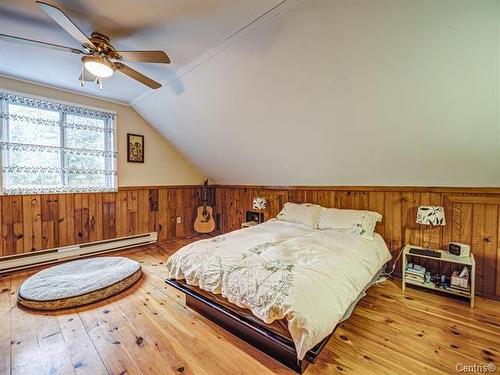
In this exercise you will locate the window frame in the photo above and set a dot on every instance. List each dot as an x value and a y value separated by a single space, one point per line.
110 144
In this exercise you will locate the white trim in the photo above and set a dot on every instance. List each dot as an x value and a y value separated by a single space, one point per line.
16 262
53 87
281 8
63 102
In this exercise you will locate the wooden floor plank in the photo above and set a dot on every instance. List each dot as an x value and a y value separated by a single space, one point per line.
148 330
106 340
83 354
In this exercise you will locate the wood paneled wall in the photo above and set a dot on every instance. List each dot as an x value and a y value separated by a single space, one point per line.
38 222
472 217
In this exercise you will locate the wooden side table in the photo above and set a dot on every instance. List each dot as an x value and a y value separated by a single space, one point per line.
445 257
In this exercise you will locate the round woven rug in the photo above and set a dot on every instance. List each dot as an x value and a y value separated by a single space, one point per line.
78 283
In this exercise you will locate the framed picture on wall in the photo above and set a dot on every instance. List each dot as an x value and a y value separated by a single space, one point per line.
135 148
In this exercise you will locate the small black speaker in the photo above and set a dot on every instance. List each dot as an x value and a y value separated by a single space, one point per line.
258 217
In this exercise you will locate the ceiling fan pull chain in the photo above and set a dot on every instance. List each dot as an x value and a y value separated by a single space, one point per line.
82 83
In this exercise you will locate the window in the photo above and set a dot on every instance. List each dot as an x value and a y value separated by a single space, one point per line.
52 147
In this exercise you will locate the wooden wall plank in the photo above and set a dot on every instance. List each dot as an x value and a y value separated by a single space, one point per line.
408 215
142 211
325 198
50 221
166 214
477 232
465 230
62 220
36 222
78 234
7 226
85 218
344 199
109 216
70 219
95 217
17 212
360 200
27 224
376 203
152 209
121 214
490 248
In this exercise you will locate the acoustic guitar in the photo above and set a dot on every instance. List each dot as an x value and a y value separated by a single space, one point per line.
204 222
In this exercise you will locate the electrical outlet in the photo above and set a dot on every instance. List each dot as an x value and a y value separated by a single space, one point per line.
178 220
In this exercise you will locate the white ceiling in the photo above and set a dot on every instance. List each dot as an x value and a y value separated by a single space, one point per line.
185 29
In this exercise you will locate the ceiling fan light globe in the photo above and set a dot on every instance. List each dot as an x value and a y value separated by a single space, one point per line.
98 66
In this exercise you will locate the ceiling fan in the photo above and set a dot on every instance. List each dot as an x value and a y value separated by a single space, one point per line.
100 59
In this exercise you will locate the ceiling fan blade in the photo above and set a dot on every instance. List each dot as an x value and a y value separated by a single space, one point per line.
37 43
87 76
65 22
136 75
145 56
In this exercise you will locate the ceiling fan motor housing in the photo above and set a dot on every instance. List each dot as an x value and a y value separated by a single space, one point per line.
103 46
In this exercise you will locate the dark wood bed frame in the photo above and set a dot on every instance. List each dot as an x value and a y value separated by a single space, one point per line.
264 339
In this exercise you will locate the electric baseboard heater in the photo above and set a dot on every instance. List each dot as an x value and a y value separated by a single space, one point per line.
36 258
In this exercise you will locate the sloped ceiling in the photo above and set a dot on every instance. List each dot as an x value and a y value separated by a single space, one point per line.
345 93
185 29
299 92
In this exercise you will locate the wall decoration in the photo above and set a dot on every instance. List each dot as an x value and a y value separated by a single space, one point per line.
135 148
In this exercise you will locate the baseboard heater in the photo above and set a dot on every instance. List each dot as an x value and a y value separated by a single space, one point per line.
36 258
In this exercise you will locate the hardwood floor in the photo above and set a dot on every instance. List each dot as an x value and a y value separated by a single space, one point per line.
147 330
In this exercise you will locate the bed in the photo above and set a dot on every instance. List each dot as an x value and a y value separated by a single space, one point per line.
281 286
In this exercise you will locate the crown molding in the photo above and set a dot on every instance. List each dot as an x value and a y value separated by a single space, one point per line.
53 87
277 10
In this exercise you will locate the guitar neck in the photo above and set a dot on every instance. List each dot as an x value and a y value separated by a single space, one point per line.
204 195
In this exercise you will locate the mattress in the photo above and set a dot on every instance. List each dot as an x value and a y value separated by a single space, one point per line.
280 271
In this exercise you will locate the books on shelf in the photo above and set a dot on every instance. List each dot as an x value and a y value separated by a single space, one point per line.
415 278
415 272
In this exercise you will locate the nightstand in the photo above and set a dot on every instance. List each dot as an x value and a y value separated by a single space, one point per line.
445 257
249 224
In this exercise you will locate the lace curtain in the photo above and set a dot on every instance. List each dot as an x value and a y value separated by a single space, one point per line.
51 147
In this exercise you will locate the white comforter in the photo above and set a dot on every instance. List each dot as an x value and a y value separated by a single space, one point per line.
279 270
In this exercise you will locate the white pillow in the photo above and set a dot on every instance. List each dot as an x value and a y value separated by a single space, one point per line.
305 213
358 222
